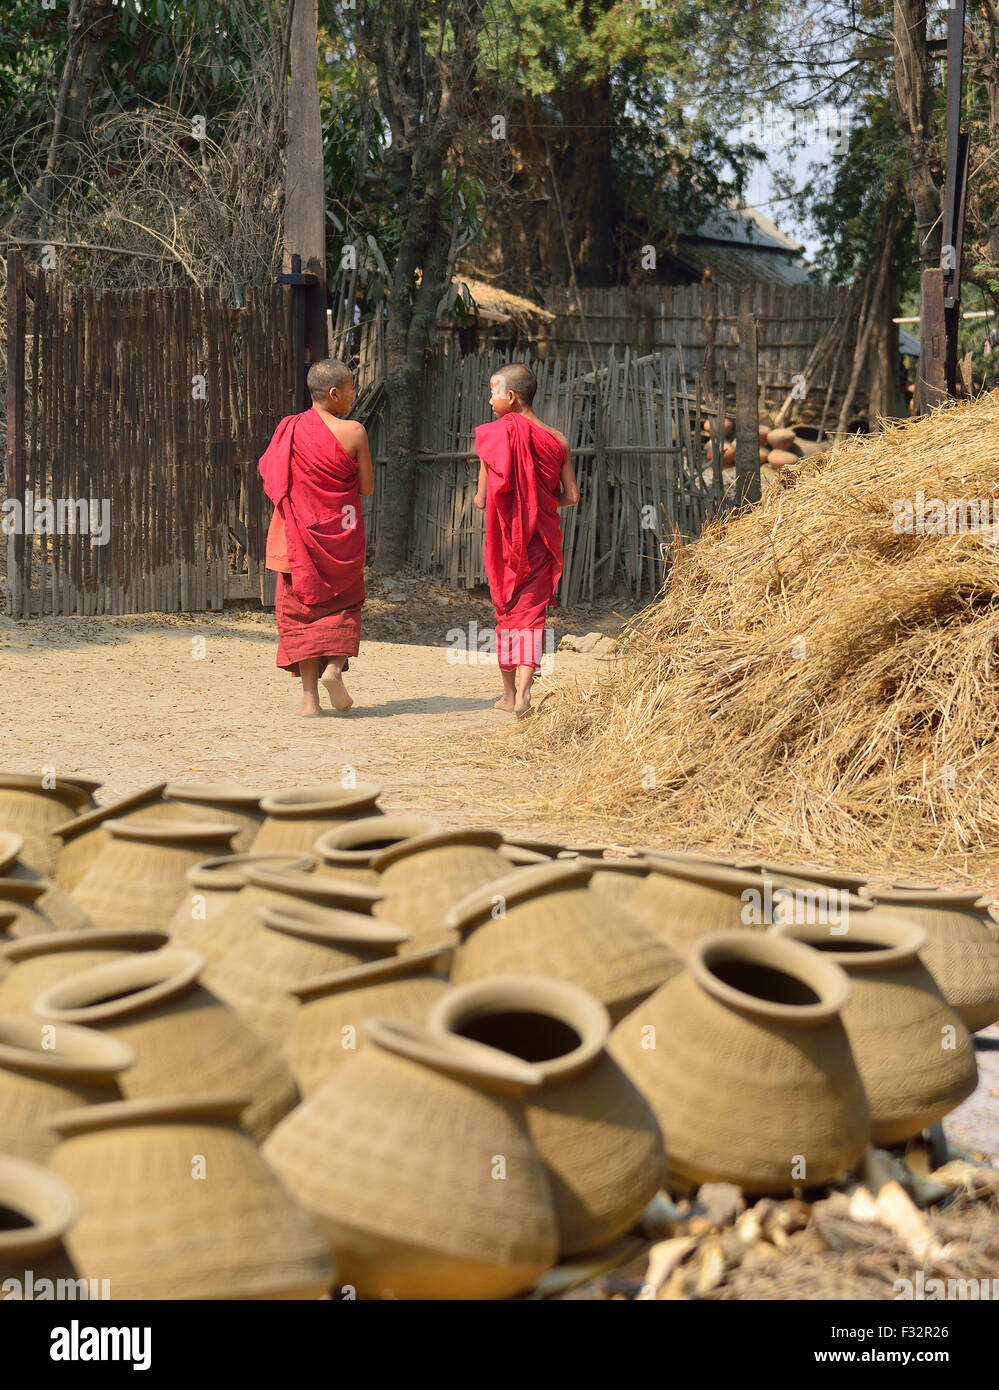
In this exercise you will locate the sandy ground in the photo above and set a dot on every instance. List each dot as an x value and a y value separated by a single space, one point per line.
136 700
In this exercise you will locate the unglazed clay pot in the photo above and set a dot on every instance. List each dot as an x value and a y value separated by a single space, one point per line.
618 878
214 884
138 879
422 879
594 1130
286 948
546 921
176 1202
962 950
275 887
548 849
39 904
43 1070
30 966
326 1030
296 819
186 1041
222 802
913 1053
798 873
36 1210
417 1163
84 836
682 901
746 1063
31 809
348 850
520 858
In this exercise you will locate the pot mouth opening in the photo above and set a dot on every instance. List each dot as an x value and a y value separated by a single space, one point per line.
460 1057
212 1105
52 943
330 925
213 793
941 899
377 972
26 1043
71 791
866 944
177 834
769 975
523 1033
304 803
553 876
361 839
228 872
11 846
319 889
473 837
37 1207
121 987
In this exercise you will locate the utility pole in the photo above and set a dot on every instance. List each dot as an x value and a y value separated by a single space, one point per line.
305 185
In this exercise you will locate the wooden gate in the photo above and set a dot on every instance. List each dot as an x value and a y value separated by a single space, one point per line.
134 424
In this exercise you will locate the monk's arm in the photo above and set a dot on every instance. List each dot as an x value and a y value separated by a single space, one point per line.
480 491
365 471
570 488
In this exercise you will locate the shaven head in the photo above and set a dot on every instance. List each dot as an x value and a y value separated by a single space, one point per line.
323 376
517 377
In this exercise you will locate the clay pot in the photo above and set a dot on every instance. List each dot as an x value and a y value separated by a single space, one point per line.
29 967
214 884
223 803
617 879
764 457
683 900
781 458
36 1210
594 1130
42 1071
326 1030
423 878
348 850
139 877
225 931
296 819
804 873
84 837
550 849
185 1041
38 905
286 948
545 921
176 1202
520 858
764 433
780 439
962 950
747 1066
32 810
582 851
398 1155
913 1053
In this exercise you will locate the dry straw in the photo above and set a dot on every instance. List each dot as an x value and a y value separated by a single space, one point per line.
814 681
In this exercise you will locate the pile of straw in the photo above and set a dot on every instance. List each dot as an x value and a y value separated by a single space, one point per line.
814 681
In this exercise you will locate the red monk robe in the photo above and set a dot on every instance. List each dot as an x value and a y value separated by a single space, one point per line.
523 546
315 541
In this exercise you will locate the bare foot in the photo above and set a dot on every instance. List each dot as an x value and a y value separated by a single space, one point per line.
310 707
505 702
335 688
522 706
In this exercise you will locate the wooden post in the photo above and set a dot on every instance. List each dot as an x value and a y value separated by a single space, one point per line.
747 411
305 183
931 387
16 320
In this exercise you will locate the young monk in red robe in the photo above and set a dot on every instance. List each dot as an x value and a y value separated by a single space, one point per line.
525 476
316 470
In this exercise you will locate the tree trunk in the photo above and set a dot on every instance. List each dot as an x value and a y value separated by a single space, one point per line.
90 26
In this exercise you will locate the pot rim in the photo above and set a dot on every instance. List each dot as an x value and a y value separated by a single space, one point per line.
51 943
212 1105
522 858
337 844
318 888
90 820
549 848
72 791
831 878
582 850
227 872
823 977
639 866
305 803
458 1057
146 980
900 942
434 839
11 845
538 994
517 887
213 794
936 898
89 1053
371 973
723 877
330 924
27 890
46 1199
692 857
176 833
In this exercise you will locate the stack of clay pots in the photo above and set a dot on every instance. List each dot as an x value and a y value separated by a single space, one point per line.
256 1046
783 446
